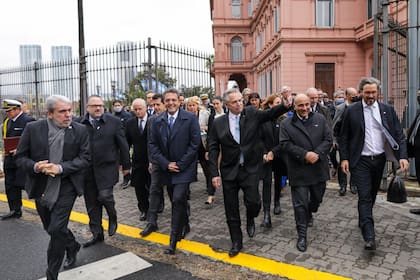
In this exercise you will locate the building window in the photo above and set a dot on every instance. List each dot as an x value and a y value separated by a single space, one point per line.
324 13
236 8
276 19
250 9
371 8
236 50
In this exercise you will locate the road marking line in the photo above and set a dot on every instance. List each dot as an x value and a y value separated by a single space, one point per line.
242 259
106 269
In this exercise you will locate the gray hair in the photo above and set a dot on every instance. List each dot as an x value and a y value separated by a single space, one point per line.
53 100
139 100
229 92
311 90
338 92
369 81
171 90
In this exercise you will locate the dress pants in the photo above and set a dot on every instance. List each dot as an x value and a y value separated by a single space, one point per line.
178 194
55 222
94 199
306 200
248 183
140 179
13 192
417 163
205 166
367 176
267 178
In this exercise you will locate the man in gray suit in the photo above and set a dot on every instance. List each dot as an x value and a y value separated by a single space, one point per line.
54 154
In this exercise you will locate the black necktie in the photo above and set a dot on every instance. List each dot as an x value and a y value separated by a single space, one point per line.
141 127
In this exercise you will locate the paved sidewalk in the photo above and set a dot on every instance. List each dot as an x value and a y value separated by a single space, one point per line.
335 244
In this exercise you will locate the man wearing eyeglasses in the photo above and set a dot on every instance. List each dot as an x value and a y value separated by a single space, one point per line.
108 147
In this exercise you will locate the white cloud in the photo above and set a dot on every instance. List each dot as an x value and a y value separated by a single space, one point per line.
54 22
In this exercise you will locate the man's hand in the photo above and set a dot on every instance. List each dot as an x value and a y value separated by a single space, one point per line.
311 157
345 166
217 182
39 166
150 168
404 165
12 152
172 167
51 169
270 156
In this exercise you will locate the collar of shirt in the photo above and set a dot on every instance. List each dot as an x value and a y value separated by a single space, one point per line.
143 119
15 118
374 105
174 115
301 118
232 116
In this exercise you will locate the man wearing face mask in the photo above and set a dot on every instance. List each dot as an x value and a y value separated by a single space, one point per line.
414 145
119 112
351 96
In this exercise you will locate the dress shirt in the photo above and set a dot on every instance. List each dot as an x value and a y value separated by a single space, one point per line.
143 124
374 137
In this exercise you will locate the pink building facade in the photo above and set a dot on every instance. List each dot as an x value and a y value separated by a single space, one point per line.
266 44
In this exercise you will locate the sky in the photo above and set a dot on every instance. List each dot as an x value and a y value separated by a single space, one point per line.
55 23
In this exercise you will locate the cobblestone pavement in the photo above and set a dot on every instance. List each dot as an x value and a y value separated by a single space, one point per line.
335 244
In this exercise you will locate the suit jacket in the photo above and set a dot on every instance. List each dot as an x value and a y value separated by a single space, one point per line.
33 147
352 134
325 111
338 120
140 158
220 137
108 147
297 139
180 146
270 133
15 128
414 150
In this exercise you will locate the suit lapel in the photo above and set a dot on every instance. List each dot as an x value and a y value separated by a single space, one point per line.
360 112
227 122
384 116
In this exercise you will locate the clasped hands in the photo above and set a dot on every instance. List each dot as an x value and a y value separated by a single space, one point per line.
47 168
172 167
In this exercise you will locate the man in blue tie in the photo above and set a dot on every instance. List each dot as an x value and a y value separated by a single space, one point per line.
173 142
234 134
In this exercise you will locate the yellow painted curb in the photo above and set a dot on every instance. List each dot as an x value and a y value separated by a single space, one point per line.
242 259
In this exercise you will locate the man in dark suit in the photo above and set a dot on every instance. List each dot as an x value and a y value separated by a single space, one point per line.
54 154
306 138
173 143
235 135
136 134
108 147
371 133
352 95
14 180
316 106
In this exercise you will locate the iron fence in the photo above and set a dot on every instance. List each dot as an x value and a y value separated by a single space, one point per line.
123 71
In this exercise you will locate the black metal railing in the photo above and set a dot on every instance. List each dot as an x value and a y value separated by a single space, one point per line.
123 71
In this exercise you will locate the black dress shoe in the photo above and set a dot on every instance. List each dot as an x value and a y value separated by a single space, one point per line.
353 189
267 220
277 209
172 247
143 216
71 256
95 239
301 244
112 226
250 227
342 191
370 245
12 215
236 248
149 229
415 211
126 181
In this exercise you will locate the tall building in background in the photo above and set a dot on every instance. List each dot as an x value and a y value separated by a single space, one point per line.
61 71
126 70
29 54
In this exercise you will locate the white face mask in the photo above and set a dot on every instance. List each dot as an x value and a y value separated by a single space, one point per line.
117 109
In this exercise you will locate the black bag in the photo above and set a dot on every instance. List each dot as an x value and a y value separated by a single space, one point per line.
396 190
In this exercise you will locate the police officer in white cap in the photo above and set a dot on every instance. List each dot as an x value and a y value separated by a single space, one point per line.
13 127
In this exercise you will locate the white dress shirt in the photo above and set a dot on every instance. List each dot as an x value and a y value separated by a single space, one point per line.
374 137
